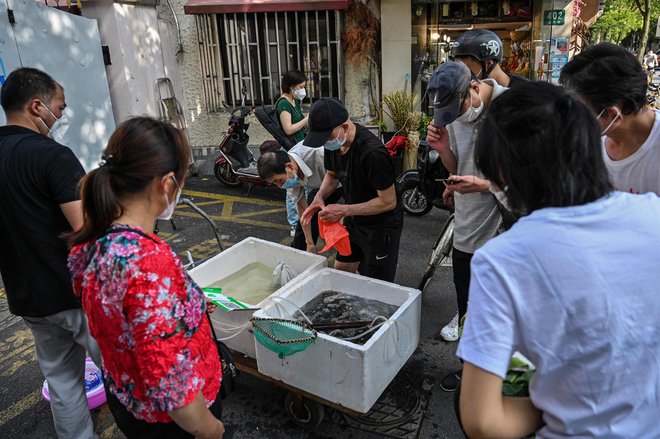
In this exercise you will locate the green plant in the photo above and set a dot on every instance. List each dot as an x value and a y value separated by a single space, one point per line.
423 125
399 106
516 382
382 126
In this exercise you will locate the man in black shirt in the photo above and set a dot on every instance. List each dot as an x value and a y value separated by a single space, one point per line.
372 213
39 199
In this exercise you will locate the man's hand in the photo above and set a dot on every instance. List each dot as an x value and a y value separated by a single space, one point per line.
311 247
437 137
317 204
333 212
448 198
466 184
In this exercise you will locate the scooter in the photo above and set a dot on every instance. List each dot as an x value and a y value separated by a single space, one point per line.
236 164
422 188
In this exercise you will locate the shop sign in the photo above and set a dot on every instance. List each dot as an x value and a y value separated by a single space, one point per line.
554 17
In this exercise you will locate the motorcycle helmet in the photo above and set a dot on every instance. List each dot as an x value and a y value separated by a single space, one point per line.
482 44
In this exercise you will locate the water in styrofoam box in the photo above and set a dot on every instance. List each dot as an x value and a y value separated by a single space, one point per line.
251 258
340 371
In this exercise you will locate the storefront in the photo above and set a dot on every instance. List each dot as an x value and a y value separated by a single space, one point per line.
536 35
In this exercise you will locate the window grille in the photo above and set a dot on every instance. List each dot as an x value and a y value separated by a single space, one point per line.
250 52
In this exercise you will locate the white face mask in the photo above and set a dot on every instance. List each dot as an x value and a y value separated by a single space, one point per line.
169 210
59 128
300 94
618 115
472 113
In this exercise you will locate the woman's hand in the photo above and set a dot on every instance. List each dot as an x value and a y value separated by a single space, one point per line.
210 306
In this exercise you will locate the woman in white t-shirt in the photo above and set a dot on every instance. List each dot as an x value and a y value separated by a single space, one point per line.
572 285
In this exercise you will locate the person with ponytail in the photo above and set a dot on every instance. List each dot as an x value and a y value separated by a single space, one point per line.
161 366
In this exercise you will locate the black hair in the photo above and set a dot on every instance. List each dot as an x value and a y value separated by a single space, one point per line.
606 75
291 79
542 146
140 149
24 84
271 163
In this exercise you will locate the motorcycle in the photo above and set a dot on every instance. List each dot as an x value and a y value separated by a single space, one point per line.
421 189
236 164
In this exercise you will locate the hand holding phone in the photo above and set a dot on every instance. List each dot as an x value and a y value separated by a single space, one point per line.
450 180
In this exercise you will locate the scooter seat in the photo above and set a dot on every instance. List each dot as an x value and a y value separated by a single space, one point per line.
251 170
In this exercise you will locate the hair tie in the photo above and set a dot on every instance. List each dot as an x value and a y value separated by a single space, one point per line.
107 160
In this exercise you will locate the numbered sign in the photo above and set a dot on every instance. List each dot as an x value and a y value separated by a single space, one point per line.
554 17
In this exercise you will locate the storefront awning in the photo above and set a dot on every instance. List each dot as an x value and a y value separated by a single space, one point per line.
250 6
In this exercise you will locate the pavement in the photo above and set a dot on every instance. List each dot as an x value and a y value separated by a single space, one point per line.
414 406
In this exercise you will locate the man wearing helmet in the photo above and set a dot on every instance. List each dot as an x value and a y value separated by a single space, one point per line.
481 51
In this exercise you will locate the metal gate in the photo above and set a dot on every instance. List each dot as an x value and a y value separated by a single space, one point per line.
68 48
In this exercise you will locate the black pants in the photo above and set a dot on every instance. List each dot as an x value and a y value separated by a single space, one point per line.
140 429
299 241
461 267
377 253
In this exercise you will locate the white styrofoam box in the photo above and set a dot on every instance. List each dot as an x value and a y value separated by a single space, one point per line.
238 256
339 371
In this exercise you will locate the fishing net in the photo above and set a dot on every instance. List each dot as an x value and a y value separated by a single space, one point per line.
284 337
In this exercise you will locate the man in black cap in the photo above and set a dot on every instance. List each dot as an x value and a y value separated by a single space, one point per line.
372 213
459 103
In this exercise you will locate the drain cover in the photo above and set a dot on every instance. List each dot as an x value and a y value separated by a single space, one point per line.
399 411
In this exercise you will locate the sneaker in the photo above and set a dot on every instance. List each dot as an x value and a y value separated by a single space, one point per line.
451 381
450 331
293 231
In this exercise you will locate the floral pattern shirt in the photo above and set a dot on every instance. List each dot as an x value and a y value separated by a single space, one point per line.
147 316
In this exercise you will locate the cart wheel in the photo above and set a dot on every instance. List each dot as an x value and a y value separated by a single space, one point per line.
303 411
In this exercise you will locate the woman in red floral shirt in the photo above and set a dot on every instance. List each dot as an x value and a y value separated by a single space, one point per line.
160 362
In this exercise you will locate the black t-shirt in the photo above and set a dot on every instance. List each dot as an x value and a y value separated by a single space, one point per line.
516 80
37 174
365 169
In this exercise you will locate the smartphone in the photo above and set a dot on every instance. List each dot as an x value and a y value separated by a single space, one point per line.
447 180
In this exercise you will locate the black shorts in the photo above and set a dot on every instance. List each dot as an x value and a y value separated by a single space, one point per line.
377 251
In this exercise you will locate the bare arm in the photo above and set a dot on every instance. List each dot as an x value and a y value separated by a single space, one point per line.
73 213
291 128
385 201
328 186
301 206
486 413
198 420
438 139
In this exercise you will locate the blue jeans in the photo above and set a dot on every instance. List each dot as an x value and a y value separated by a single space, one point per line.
291 213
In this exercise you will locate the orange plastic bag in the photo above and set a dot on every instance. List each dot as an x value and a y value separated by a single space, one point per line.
335 235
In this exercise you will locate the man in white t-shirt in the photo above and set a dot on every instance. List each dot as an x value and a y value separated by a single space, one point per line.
572 286
300 171
612 82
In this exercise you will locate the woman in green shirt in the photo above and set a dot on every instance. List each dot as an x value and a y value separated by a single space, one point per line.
289 107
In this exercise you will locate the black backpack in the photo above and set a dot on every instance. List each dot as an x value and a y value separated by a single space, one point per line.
270 120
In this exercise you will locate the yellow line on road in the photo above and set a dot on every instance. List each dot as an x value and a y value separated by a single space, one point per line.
234 219
203 203
261 212
227 209
212 196
2 292
20 406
